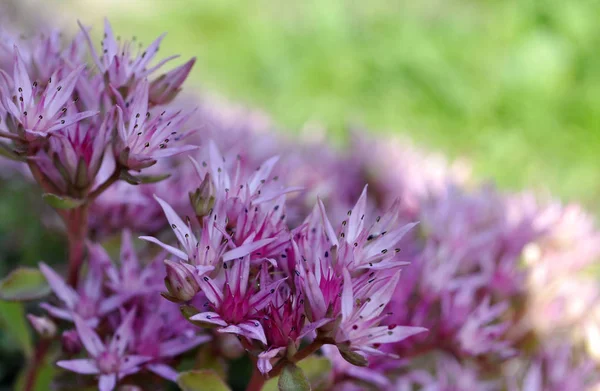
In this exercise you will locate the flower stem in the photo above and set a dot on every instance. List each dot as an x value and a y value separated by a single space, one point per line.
100 189
36 363
77 229
257 381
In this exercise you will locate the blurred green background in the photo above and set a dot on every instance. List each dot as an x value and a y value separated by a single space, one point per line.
512 86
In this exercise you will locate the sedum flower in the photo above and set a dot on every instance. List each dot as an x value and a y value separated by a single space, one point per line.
235 302
88 303
122 64
144 138
33 112
110 361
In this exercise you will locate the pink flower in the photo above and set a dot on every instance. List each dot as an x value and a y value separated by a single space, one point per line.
235 302
119 64
210 249
88 304
77 153
110 361
144 138
33 112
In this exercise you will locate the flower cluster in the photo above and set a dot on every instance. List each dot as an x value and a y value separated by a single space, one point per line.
253 243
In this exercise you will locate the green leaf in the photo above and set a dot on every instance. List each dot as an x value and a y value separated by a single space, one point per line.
316 369
139 179
152 178
12 320
352 357
24 283
61 202
292 378
131 179
8 152
201 380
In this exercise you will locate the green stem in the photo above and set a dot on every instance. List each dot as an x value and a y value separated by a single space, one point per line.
100 189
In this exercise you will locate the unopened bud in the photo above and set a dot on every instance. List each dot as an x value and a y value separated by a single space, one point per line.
43 326
180 281
203 199
70 342
166 87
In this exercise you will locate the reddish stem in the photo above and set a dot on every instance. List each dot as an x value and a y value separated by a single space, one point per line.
77 230
257 381
38 359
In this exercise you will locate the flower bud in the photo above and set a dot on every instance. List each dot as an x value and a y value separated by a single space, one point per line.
166 87
43 326
203 199
180 281
70 342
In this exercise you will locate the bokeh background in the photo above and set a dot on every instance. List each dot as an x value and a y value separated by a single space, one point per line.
512 87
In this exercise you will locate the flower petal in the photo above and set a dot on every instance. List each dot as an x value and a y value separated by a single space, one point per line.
84 366
88 337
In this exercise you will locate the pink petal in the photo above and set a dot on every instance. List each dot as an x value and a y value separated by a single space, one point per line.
383 334
356 220
209 317
164 371
57 312
21 77
264 360
60 289
327 225
262 174
175 251
67 85
254 330
84 366
88 337
347 296
176 346
123 334
107 382
245 249
132 362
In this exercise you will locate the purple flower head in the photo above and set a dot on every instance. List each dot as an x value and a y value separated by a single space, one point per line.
129 277
162 335
209 250
111 361
88 302
285 324
235 301
122 64
77 153
33 112
143 138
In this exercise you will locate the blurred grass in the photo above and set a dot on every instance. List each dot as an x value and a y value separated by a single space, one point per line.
512 85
